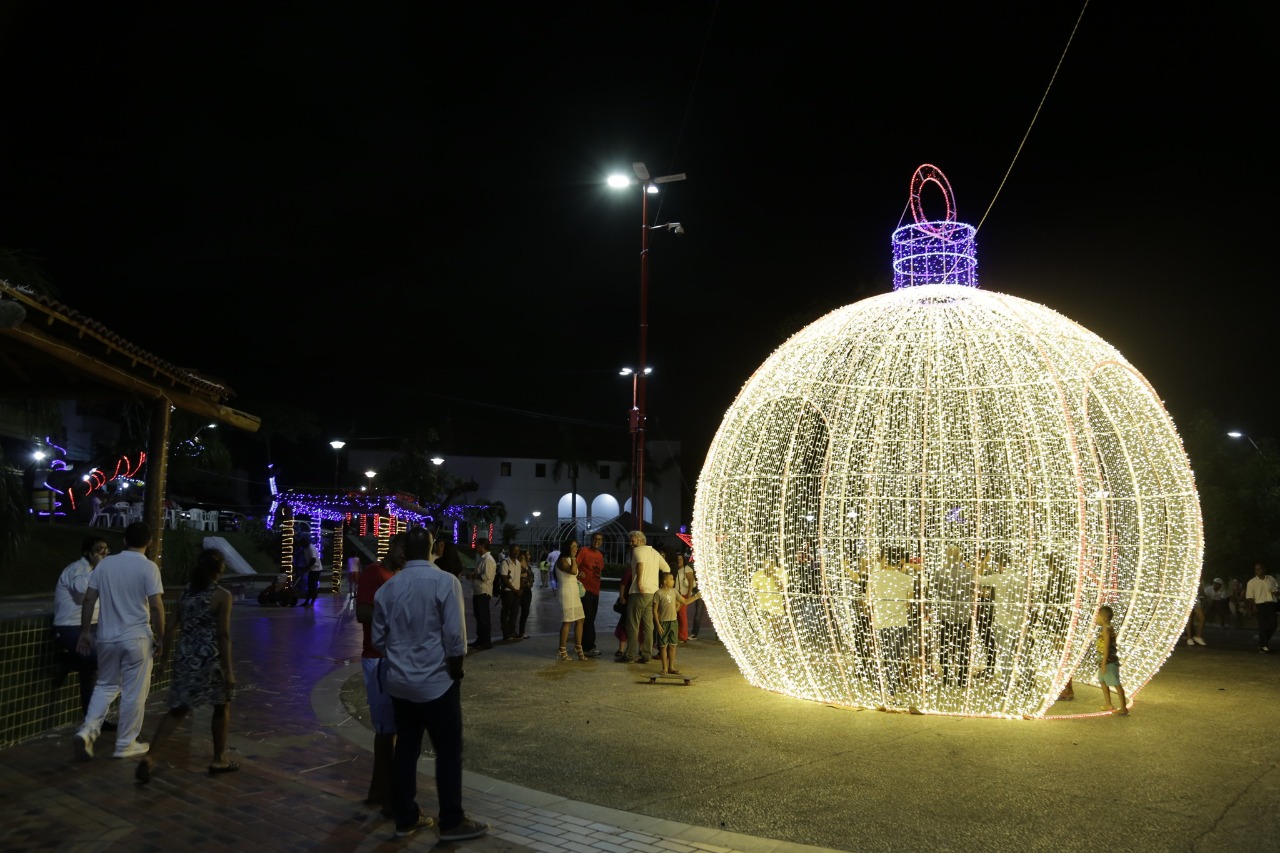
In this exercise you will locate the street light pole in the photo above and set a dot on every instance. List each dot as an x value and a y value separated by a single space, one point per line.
639 412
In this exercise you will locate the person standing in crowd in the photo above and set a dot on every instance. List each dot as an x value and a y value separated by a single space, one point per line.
1219 599
552 558
381 714
419 627
544 567
1109 663
956 591
698 608
482 593
68 597
508 586
570 602
620 607
646 565
447 557
666 603
202 666
684 588
526 592
307 563
1262 591
590 570
131 593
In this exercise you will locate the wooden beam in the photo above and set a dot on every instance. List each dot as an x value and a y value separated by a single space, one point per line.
131 382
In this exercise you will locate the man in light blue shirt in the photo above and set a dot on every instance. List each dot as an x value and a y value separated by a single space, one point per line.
419 626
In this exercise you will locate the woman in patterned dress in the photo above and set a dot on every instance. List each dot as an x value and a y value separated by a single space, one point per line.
202 668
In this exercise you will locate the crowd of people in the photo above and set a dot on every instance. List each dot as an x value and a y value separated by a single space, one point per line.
110 627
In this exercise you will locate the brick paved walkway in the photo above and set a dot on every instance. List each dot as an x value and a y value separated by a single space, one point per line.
305 769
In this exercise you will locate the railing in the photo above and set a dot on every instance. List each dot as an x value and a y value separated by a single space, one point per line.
37 694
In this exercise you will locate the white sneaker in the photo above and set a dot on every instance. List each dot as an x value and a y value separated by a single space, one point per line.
1200 641
1191 641
133 750
83 744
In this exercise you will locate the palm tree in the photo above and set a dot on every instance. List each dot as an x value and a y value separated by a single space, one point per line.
570 461
487 514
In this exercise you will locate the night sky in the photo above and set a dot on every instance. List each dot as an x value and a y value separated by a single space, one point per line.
409 198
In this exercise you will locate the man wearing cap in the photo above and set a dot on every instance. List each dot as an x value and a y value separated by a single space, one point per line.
1219 598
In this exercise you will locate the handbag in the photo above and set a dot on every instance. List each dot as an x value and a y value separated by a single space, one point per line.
618 606
582 590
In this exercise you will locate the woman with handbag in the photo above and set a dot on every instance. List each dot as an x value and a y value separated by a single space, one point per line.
570 599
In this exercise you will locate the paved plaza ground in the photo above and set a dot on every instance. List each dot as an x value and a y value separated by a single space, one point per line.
589 757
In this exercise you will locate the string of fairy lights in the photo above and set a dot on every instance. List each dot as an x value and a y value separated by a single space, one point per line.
920 500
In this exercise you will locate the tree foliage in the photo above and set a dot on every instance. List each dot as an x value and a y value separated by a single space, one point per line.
1239 488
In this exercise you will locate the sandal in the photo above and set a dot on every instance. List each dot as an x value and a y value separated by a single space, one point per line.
580 653
231 767
560 655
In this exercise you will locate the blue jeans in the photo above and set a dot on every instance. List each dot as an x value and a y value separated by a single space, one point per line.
441 720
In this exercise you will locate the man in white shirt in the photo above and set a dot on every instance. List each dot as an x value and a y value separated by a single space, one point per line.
130 628
646 565
419 626
508 587
482 594
1262 591
68 597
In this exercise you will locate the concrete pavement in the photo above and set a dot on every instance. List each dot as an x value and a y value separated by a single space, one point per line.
588 757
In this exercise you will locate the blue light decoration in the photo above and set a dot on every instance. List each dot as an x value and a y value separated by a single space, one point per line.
375 513
934 251
919 501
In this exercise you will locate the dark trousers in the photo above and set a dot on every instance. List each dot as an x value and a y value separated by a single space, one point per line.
986 633
590 606
441 720
509 616
1266 623
695 617
484 620
313 587
526 602
953 652
65 638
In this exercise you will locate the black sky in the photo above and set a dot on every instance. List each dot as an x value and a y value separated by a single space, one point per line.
379 194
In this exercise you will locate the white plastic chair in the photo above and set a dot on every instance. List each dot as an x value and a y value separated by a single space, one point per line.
195 519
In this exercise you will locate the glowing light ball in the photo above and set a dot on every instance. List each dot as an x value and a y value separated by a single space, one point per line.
920 500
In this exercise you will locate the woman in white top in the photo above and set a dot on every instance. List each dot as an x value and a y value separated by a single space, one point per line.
570 599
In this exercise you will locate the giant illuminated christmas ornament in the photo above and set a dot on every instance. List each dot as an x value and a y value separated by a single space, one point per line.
919 501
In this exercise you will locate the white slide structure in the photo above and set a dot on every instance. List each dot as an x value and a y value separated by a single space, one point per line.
235 563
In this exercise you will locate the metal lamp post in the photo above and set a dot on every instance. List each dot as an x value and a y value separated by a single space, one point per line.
639 412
